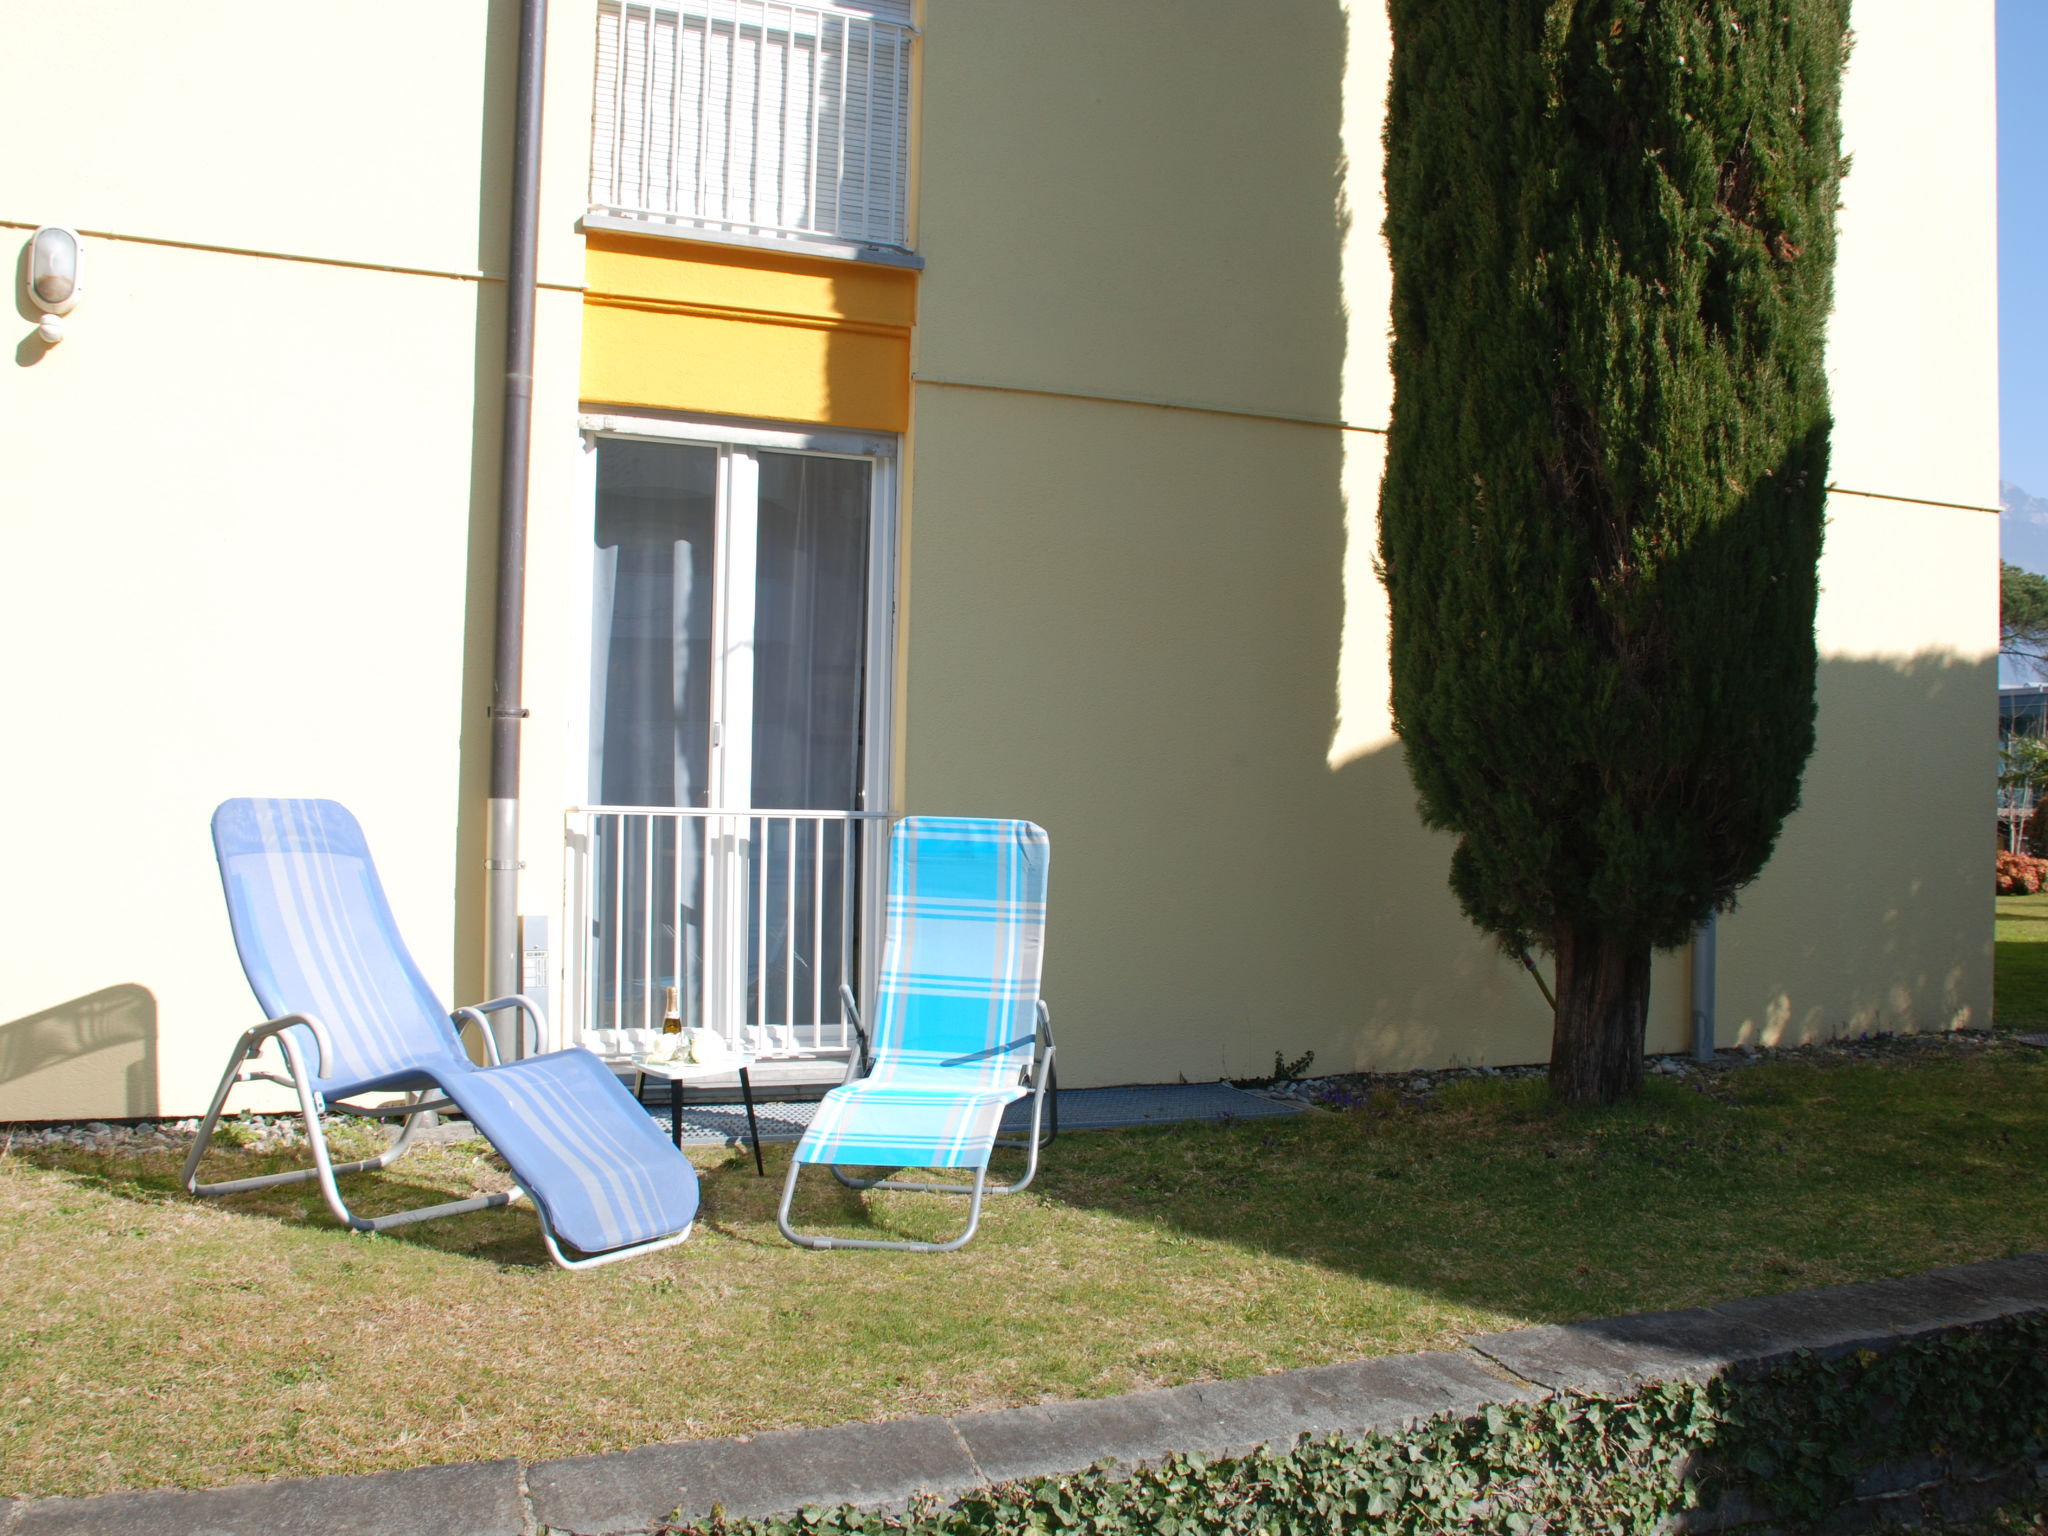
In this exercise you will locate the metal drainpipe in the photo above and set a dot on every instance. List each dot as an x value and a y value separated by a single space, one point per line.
501 849
1702 975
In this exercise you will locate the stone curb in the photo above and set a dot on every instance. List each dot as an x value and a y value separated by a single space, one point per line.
476 1499
882 1465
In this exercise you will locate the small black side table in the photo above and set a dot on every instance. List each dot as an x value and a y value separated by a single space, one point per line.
680 1073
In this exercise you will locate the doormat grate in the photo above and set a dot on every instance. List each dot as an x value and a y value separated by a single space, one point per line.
1081 1109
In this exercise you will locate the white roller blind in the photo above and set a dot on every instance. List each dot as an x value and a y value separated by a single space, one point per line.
755 117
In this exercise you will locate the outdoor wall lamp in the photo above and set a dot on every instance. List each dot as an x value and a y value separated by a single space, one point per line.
55 267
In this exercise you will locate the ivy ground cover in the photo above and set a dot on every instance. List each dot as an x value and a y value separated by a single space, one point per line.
147 1339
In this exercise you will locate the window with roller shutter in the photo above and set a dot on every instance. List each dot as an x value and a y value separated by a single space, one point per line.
754 118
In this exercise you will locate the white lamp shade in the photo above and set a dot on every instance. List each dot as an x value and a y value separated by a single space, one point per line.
54 268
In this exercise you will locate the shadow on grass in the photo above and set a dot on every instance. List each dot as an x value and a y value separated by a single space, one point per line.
1783 1177
735 1200
508 1236
732 1197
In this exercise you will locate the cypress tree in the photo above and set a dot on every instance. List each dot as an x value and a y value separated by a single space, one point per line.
1612 225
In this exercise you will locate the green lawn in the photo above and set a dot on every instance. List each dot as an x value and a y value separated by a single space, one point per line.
2022 965
148 1339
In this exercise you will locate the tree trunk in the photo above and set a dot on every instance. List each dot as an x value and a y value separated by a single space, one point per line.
1603 997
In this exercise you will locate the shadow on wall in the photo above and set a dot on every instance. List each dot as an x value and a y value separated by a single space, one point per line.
31 349
1222 894
1874 913
73 1060
866 383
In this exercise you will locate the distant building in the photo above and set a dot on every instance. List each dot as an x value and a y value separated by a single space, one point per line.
2022 711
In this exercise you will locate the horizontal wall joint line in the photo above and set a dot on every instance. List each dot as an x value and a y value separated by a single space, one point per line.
741 314
1243 412
1313 421
396 268
1916 501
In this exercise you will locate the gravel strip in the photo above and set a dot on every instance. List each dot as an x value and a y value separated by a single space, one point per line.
1340 1091
1357 1090
258 1133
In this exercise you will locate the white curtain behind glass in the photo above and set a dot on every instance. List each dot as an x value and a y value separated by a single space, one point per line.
803 539
650 687
810 632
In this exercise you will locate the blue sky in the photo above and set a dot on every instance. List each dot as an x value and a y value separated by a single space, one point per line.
2023 243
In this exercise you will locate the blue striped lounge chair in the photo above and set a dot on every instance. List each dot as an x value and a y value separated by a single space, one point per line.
350 1014
960 1031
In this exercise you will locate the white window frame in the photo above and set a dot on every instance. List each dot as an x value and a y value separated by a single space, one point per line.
881 451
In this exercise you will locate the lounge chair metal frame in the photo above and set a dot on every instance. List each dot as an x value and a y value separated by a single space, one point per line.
322 951
314 1107
1040 1075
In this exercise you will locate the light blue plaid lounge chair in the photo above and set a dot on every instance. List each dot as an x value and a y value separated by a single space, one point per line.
351 1014
960 1030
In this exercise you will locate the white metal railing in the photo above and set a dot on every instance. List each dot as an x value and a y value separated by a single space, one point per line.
755 917
752 117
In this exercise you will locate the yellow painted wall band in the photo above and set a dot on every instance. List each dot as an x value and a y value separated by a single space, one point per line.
683 326
656 306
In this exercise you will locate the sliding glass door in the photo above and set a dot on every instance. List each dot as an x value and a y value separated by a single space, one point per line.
732 751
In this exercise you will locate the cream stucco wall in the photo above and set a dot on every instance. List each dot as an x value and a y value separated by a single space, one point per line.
254 585
1153 214
1158 632
250 499
1876 910
1912 353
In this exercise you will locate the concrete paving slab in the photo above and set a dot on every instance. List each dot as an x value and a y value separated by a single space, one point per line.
1613 1355
1390 1393
2020 1280
870 1465
1233 1418
1050 1439
476 1499
1838 1318
1101 1109
713 1121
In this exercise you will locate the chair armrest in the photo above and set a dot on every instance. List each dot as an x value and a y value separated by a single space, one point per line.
860 1058
526 1006
1032 1073
252 1039
463 1017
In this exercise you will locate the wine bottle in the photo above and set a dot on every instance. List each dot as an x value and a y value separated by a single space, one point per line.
671 1014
